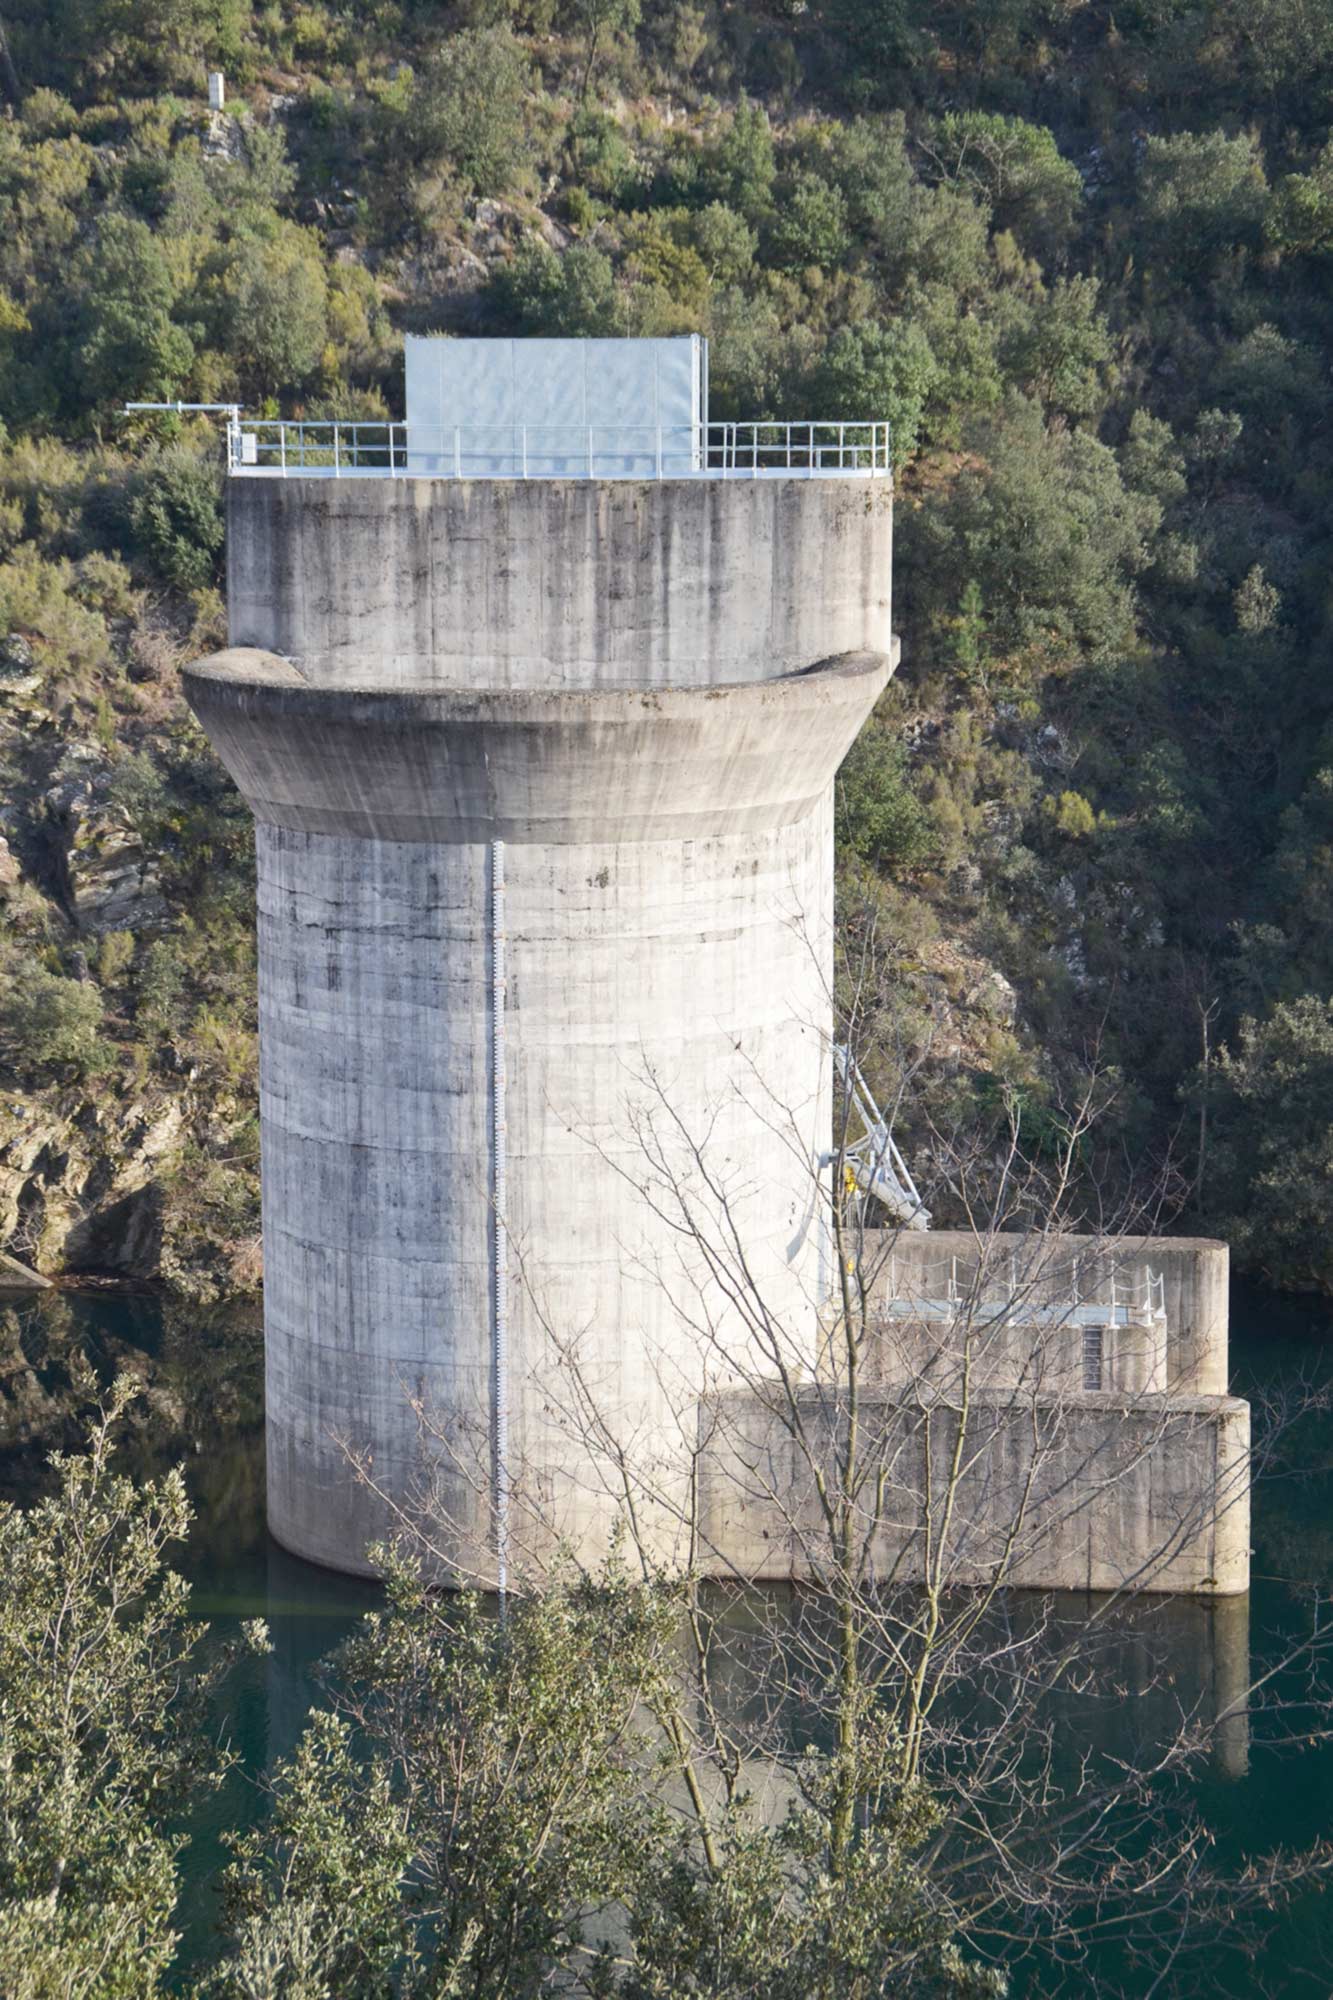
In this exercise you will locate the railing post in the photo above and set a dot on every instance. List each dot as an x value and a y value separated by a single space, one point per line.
282 447
458 453
659 451
525 451
590 451
337 466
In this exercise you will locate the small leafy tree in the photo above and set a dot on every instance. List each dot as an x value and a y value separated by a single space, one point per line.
872 373
275 305
1201 197
741 166
810 227
598 22
573 294
467 109
1062 351
102 1734
131 346
1274 1124
879 816
1017 170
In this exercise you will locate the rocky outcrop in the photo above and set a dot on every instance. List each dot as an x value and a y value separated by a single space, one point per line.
109 882
19 672
98 1185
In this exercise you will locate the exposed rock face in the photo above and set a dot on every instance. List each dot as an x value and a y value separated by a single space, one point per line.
224 136
19 671
95 1186
110 882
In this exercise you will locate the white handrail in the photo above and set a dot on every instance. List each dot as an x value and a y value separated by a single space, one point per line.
811 449
1069 1301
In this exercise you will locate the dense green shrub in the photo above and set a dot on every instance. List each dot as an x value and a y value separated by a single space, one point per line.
810 225
740 166
1273 1105
131 347
175 517
542 292
879 816
271 300
876 374
1017 170
46 1020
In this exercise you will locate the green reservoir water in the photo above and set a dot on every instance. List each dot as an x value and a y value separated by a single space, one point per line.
204 1404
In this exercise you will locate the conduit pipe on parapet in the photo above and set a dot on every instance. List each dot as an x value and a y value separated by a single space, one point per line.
500 1225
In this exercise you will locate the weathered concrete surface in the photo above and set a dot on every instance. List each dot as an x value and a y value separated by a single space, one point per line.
558 583
699 968
1093 1491
1195 1270
520 765
435 668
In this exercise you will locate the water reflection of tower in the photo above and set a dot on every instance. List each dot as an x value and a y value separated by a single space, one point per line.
1139 1673
310 1611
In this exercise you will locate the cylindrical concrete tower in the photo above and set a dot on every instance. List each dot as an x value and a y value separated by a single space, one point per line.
542 779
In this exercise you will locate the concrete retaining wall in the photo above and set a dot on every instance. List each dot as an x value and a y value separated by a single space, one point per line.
1095 1492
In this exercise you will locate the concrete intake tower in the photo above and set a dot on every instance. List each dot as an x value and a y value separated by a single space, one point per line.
537 701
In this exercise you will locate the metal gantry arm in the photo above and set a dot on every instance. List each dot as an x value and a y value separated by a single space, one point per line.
874 1160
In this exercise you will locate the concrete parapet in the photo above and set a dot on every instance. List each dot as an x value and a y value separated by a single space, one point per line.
558 583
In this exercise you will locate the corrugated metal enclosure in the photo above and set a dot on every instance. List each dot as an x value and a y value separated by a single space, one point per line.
498 409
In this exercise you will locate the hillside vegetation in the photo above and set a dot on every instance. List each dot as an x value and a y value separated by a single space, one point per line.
1079 256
